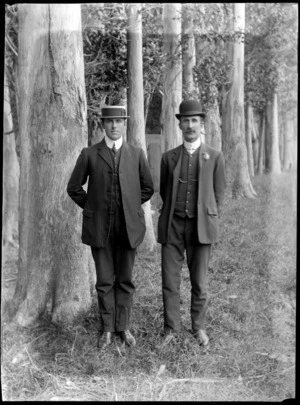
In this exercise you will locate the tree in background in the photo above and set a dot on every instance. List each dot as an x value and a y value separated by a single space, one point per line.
211 66
271 49
136 124
53 264
233 120
11 172
172 76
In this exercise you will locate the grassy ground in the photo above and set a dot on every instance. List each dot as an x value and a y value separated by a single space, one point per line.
251 323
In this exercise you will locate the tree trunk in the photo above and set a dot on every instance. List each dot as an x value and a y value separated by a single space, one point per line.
272 137
53 264
249 130
11 173
261 152
255 141
287 162
233 120
188 56
213 132
136 124
172 78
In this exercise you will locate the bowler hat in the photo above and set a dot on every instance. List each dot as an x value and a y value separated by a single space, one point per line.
113 111
190 107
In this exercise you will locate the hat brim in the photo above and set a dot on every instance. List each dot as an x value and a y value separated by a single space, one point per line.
178 116
115 116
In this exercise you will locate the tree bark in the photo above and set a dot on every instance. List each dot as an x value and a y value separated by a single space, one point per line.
233 120
213 132
11 173
287 162
172 78
188 55
53 264
273 164
135 99
249 130
261 152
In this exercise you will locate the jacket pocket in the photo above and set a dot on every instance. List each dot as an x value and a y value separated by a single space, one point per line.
212 211
87 213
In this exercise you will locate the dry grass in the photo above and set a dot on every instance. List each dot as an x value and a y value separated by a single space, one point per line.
251 323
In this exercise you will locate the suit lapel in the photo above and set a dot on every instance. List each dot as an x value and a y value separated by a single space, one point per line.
177 159
104 153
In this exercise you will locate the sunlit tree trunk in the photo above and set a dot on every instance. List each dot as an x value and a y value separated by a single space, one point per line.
273 164
135 98
255 140
188 53
172 78
53 263
261 151
11 173
233 120
287 162
249 130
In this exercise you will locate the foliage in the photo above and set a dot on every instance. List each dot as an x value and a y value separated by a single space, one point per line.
270 49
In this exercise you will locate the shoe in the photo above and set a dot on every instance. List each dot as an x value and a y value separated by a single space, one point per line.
168 337
127 337
201 337
104 340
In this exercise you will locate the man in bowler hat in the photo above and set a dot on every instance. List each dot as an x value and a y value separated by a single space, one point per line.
119 182
192 186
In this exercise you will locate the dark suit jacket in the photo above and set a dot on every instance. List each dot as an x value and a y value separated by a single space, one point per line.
136 188
211 189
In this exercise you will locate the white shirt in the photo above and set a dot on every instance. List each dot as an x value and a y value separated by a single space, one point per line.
110 143
192 146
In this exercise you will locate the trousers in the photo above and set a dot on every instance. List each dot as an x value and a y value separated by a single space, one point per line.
183 237
114 264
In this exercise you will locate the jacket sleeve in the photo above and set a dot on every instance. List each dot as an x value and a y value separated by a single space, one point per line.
146 182
219 180
78 179
163 177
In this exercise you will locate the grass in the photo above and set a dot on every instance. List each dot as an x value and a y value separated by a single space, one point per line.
250 321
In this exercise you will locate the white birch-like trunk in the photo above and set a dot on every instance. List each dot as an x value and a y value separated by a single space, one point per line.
273 164
135 101
11 173
233 120
172 77
53 263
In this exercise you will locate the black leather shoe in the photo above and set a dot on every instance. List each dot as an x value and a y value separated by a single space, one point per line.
127 337
168 337
104 340
201 337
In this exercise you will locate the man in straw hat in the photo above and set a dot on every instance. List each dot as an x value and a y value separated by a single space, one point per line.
119 182
192 186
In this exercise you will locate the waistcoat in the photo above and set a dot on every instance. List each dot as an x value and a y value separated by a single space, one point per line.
115 191
187 192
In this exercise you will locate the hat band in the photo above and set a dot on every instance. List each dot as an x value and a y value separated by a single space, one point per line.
113 112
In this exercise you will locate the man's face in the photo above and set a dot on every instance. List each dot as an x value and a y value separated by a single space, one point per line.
114 127
191 127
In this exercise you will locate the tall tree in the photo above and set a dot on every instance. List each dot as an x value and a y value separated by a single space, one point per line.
233 121
11 173
188 52
172 77
135 100
53 264
273 164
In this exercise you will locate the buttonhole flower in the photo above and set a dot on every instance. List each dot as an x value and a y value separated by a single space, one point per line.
205 156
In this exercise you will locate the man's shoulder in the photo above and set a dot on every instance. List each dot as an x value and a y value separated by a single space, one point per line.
173 151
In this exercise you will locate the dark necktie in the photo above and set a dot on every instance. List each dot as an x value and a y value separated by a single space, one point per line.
114 149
